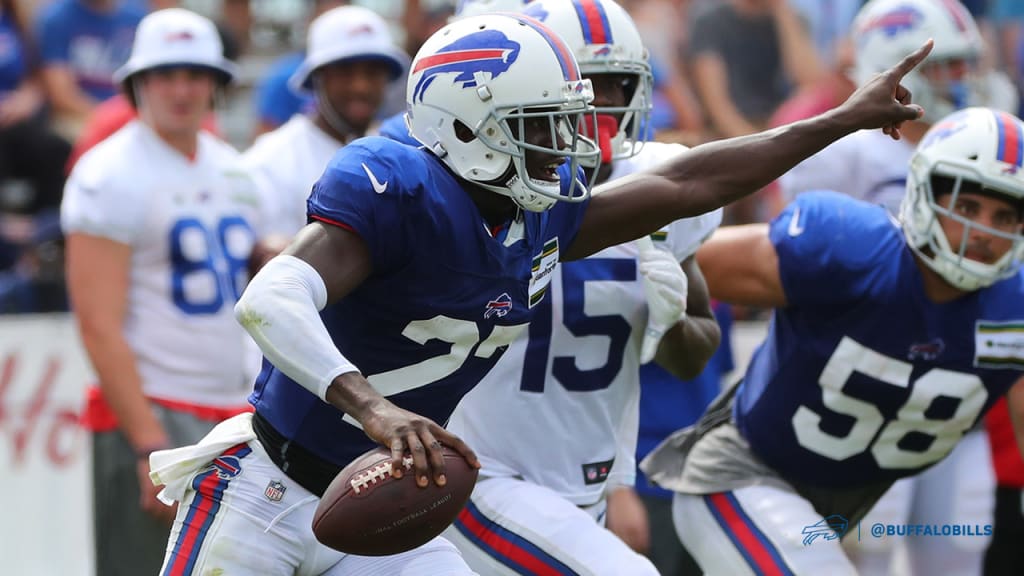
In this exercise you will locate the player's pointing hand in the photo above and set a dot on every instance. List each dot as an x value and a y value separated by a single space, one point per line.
884 102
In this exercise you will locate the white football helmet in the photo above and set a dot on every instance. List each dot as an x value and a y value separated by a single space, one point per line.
885 31
474 85
605 40
976 146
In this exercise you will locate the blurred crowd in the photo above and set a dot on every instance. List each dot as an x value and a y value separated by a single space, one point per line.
723 68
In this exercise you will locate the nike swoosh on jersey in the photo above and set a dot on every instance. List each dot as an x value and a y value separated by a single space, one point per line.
795 229
377 186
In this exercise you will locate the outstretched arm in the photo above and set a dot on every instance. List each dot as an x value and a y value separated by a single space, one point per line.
718 173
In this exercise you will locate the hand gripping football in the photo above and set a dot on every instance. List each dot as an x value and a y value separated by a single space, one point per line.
369 512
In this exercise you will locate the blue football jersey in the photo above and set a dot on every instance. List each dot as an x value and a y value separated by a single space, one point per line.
861 378
444 299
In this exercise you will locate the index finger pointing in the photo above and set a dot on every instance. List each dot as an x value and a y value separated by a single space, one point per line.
913 59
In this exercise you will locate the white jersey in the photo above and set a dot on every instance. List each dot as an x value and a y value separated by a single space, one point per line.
867 165
290 160
191 226
566 416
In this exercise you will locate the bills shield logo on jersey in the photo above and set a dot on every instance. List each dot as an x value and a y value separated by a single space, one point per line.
485 52
498 307
275 491
926 350
226 467
893 22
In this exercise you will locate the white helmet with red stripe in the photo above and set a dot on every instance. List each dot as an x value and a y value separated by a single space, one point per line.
887 30
605 40
478 83
975 150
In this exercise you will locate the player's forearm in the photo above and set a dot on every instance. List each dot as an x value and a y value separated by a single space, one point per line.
686 348
280 310
115 365
353 395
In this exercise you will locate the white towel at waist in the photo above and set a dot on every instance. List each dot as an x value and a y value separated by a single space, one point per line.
174 468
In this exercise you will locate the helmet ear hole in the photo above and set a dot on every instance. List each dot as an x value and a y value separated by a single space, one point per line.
463 132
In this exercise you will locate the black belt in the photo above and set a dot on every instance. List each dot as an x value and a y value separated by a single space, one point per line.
307 469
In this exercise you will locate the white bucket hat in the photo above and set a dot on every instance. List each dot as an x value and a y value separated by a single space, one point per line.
347 33
176 37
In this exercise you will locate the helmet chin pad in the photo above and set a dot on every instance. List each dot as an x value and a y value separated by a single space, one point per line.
607 128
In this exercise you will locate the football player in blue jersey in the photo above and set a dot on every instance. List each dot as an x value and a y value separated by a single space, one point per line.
419 266
889 341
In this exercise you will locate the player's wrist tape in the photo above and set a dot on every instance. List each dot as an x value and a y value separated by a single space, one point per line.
281 311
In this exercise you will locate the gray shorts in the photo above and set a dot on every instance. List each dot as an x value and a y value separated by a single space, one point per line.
130 542
712 456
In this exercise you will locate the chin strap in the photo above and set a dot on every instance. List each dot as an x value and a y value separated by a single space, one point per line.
607 128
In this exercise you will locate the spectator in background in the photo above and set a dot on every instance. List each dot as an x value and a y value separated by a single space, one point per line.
31 180
29 151
747 57
81 43
644 515
112 114
828 26
350 63
676 116
160 225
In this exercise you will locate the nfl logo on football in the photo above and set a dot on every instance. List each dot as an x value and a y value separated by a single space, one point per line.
275 491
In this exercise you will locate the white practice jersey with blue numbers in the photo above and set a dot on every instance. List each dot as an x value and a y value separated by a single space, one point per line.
561 407
191 225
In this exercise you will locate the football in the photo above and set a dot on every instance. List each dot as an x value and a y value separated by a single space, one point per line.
369 512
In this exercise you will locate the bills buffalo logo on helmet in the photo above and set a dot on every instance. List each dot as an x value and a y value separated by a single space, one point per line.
895 21
488 51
